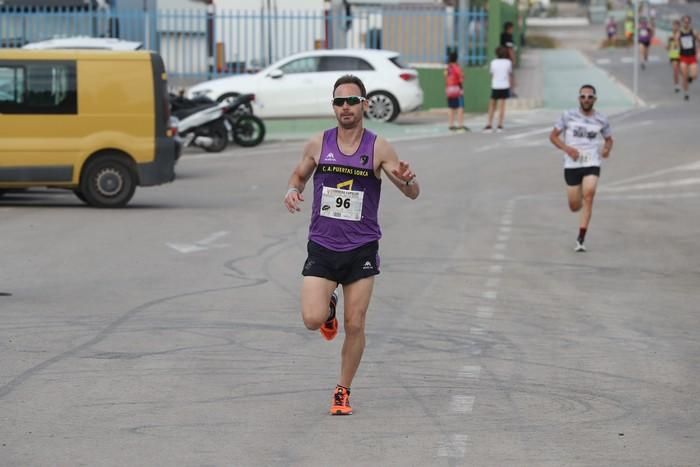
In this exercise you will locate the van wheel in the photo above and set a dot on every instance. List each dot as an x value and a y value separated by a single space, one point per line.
107 182
79 194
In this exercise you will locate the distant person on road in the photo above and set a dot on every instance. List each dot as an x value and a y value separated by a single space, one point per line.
611 31
688 40
508 42
587 140
674 54
644 35
346 163
501 69
454 90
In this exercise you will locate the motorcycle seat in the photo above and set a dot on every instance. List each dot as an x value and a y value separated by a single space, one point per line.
184 113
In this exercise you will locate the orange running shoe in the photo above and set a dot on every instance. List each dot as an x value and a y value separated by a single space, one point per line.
329 329
341 402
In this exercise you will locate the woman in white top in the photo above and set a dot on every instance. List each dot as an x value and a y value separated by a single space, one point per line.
501 70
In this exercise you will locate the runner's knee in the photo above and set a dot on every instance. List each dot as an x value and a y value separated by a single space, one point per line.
314 317
354 324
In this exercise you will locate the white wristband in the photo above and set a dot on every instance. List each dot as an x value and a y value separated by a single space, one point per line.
291 190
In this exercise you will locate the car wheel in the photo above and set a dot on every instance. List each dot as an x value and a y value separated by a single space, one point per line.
108 181
383 107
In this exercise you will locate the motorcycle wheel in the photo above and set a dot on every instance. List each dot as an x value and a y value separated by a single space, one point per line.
248 131
219 136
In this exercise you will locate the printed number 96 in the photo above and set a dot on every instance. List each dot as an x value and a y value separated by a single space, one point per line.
344 203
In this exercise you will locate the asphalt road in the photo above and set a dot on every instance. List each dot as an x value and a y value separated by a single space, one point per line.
169 333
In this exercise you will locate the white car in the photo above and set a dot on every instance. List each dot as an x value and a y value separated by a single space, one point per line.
301 85
92 43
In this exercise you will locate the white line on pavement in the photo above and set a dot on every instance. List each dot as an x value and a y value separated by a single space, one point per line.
654 185
470 371
201 245
678 168
462 404
539 131
455 447
651 196
490 294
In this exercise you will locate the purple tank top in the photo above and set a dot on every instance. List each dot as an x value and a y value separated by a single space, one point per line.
353 172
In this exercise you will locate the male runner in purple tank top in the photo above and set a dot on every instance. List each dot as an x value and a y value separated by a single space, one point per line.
346 163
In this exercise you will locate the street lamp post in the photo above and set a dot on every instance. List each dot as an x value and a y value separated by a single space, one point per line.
635 54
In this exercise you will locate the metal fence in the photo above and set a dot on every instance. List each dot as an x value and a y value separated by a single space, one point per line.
198 45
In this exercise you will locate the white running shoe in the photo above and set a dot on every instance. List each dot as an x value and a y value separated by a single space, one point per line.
579 247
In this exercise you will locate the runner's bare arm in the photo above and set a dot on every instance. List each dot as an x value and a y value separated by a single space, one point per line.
399 172
556 141
301 173
607 147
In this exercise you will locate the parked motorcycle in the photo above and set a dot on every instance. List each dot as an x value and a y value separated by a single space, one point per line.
200 124
242 127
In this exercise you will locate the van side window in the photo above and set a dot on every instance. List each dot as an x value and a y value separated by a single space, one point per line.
38 88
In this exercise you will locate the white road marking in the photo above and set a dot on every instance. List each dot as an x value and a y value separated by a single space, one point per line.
490 294
539 131
653 185
659 196
603 61
505 229
678 168
470 371
462 404
499 246
484 314
201 245
498 257
477 331
455 447
495 268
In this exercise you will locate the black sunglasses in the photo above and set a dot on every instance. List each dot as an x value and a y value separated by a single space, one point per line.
351 100
586 96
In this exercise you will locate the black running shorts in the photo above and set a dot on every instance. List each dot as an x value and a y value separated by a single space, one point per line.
500 94
343 267
574 177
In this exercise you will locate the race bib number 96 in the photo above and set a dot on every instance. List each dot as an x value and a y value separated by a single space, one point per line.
342 204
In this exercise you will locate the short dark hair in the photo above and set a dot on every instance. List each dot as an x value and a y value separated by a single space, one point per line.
452 57
588 86
507 25
350 79
502 51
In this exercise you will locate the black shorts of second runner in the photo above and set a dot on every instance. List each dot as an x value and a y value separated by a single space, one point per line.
343 267
574 177
500 93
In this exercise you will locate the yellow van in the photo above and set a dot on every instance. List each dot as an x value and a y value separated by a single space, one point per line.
95 122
